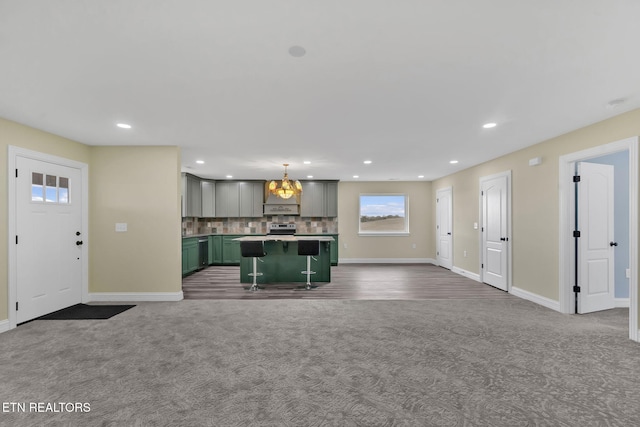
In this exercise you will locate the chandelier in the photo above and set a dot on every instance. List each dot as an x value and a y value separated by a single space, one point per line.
286 189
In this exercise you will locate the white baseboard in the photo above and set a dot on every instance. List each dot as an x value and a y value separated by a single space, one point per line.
622 302
4 325
387 261
530 296
465 273
134 296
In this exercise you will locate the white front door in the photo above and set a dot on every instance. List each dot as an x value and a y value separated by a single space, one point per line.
49 237
494 194
444 220
596 243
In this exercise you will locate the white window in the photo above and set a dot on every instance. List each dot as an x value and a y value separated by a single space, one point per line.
49 188
384 214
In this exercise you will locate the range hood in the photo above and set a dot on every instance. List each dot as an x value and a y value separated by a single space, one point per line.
274 205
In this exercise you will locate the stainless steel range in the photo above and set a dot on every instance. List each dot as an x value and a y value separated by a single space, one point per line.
286 229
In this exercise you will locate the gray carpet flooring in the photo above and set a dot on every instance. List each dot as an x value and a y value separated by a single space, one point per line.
325 363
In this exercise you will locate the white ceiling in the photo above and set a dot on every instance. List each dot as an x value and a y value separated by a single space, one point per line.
405 83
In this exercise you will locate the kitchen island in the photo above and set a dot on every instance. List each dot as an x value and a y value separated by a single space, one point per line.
282 264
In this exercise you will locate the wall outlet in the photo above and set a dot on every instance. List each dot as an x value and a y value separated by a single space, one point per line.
413 246
344 245
627 273
121 227
465 254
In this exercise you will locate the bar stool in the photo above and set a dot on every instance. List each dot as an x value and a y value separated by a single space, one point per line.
310 249
255 250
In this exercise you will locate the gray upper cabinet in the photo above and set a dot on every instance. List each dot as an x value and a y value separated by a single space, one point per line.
251 198
331 199
227 199
319 199
208 188
191 196
239 199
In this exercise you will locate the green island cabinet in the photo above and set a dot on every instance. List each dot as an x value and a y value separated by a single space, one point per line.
190 254
282 264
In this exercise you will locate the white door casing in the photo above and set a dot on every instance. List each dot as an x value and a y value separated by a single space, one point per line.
47 268
566 240
596 226
444 227
495 212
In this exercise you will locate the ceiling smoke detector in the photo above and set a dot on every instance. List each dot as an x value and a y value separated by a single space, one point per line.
297 51
616 102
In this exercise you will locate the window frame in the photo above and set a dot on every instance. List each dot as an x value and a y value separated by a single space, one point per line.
403 232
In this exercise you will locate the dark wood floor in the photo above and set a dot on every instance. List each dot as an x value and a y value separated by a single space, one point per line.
348 281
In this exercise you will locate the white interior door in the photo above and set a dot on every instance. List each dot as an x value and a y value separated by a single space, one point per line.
494 194
48 237
596 243
444 228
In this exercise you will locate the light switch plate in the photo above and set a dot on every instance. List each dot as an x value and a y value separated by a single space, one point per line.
121 227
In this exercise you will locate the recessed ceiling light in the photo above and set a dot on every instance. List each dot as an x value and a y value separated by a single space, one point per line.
229 176
489 125
367 162
453 162
356 176
309 176
124 126
420 176
200 162
307 162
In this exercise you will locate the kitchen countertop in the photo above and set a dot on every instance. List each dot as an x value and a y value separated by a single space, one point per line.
193 236
284 238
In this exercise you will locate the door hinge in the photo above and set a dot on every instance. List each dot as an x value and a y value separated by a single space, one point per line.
576 289
16 173
481 265
16 239
576 233
16 305
437 253
576 178
482 193
437 200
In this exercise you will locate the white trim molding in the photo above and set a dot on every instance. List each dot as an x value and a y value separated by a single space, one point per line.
622 302
468 274
4 325
387 261
535 298
135 296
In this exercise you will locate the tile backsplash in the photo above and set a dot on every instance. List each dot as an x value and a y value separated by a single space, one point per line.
304 225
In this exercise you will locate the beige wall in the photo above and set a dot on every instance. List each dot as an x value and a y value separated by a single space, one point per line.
139 186
535 203
421 227
12 133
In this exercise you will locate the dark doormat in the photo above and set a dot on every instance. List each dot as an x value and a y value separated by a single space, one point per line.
84 311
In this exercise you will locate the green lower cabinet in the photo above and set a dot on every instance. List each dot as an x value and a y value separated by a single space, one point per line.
215 250
231 254
189 256
282 264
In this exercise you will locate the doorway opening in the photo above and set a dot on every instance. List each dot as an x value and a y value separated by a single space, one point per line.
568 211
